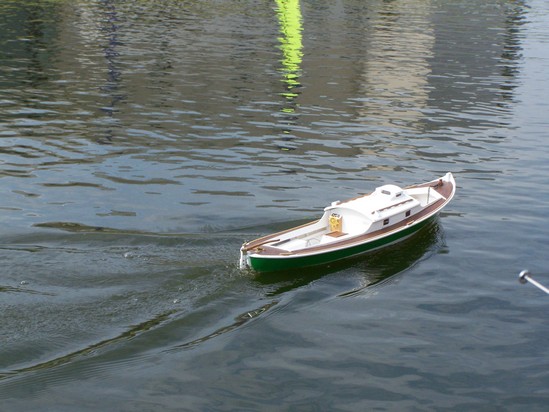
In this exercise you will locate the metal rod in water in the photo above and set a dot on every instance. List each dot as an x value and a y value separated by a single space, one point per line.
524 277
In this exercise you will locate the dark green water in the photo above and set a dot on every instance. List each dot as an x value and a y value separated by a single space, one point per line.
141 143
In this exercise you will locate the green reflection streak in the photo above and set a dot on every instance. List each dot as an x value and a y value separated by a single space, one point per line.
289 17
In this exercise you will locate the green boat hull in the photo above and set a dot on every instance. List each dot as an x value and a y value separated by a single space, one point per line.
271 264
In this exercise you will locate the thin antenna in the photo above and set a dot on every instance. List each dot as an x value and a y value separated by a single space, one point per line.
526 276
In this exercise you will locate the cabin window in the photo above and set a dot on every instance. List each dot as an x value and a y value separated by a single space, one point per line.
398 194
385 222
385 192
407 213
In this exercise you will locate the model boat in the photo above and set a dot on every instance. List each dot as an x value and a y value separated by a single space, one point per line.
351 227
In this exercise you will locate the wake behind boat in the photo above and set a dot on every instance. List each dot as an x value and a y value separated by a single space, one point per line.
351 227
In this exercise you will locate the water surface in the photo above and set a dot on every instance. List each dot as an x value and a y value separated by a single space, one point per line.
141 143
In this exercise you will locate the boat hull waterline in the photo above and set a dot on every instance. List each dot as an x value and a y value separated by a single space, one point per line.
348 228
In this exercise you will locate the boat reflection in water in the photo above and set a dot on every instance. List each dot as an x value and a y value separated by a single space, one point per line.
376 267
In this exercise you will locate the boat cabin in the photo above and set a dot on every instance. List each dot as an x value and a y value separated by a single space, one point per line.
387 205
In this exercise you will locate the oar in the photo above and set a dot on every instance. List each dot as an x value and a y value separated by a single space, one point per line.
524 277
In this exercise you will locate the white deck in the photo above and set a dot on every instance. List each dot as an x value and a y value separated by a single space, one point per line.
387 205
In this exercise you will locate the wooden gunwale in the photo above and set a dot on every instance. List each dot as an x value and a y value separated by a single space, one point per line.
273 237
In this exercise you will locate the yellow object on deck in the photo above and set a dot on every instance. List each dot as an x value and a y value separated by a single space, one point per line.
336 223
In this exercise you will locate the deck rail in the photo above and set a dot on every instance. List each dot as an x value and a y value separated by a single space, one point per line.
391 206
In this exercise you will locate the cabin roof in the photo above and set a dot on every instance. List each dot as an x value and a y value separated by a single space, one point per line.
385 201
392 191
